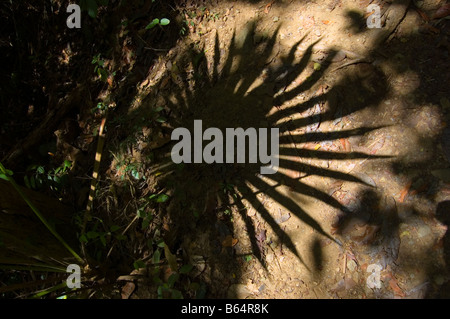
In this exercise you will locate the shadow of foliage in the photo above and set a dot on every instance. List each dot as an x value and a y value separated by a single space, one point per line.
244 89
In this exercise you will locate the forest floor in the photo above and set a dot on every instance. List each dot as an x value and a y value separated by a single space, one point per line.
288 235
359 205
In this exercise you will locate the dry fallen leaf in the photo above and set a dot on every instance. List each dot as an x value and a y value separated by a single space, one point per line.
393 284
442 12
268 6
229 241
397 290
404 192
171 258
345 144
127 290
110 80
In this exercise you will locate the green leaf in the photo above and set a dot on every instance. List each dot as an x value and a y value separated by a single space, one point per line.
103 240
33 182
92 234
92 8
114 228
161 119
152 24
103 74
135 174
67 164
164 21
40 169
121 237
92 12
161 243
173 278
146 222
3 176
139 264
141 212
185 269
156 257
161 198
201 292
176 294
83 238
160 292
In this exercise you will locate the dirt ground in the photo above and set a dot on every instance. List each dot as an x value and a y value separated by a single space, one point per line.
359 205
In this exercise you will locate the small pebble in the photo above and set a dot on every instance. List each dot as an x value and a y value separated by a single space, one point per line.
423 231
351 265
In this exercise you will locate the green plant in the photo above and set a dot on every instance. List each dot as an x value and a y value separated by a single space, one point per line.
100 68
91 6
155 22
183 29
100 235
162 263
228 188
189 24
55 179
145 213
132 168
214 16
156 116
101 107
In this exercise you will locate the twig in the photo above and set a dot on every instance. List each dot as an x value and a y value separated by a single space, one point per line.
149 48
357 61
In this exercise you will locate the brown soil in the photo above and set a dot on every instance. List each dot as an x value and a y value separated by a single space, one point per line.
314 228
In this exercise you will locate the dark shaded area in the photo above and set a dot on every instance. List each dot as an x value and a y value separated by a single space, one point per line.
443 215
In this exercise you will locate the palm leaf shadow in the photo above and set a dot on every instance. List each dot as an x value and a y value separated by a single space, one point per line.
242 89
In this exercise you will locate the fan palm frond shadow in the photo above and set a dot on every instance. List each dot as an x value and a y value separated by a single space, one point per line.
242 89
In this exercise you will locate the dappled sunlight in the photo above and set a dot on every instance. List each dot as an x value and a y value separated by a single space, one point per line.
233 149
